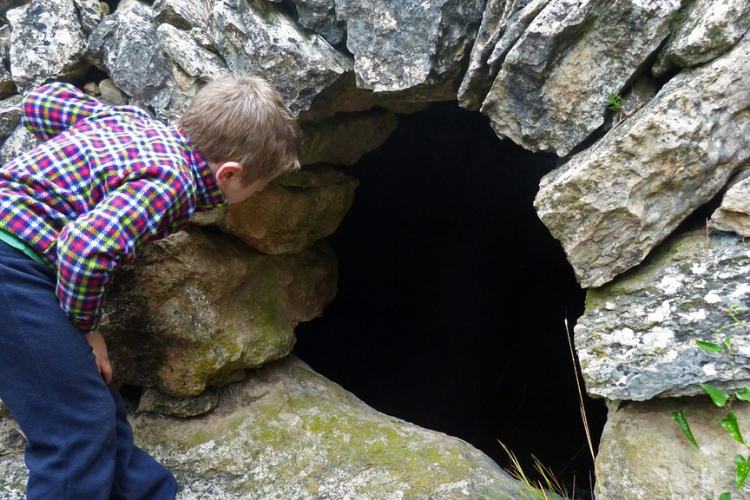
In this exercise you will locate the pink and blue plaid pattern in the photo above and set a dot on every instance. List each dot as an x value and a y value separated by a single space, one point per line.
106 181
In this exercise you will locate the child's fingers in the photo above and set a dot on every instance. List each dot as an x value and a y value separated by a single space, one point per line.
105 368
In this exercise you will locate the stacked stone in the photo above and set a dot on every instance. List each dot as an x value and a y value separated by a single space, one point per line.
646 104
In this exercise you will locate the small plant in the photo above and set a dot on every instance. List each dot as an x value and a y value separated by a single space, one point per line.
615 102
548 488
723 399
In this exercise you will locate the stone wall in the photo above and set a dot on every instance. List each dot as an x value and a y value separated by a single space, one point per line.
644 102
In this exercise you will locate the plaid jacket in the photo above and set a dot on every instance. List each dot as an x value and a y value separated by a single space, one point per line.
106 181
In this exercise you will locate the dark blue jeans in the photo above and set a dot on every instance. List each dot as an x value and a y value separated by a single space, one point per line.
79 442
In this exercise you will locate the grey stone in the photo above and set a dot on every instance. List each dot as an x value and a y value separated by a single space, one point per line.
194 60
550 93
611 204
643 455
18 142
10 115
288 433
292 213
90 13
6 5
259 39
343 139
183 14
126 46
111 94
47 43
708 29
320 16
502 24
734 213
415 50
637 338
166 405
200 307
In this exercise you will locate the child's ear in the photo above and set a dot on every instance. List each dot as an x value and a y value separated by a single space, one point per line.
227 171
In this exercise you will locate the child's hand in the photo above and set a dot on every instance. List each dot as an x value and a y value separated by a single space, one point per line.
96 341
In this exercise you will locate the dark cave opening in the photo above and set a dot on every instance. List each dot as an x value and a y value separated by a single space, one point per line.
453 295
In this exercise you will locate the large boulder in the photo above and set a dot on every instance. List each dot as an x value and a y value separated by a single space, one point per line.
550 93
707 30
258 38
637 338
288 433
198 308
611 204
414 50
291 214
644 455
47 43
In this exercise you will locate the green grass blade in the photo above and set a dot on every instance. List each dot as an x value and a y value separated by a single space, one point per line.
725 496
679 417
709 346
732 427
718 396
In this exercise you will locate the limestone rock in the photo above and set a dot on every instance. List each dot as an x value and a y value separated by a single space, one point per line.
183 14
199 307
320 16
734 213
293 212
90 12
289 433
418 50
10 115
164 404
257 38
194 60
636 340
18 142
550 93
343 139
643 454
708 29
502 24
111 94
126 46
611 204
47 43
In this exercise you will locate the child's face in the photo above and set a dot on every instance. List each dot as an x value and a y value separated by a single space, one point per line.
229 178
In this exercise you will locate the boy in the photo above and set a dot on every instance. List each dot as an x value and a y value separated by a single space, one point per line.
106 181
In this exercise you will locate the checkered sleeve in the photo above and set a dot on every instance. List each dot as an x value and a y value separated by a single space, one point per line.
54 108
90 248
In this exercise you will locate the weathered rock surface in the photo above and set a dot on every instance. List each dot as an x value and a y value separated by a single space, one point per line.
196 309
643 455
611 204
291 214
193 59
257 38
126 45
320 16
47 42
18 142
734 213
183 14
343 139
550 93
163 404
287 432
503 22
707 30
417 50
636 340
10 115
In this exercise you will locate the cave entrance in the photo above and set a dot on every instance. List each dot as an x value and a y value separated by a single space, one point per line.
452 295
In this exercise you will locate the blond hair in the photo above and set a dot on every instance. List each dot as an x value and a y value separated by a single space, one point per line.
242 118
